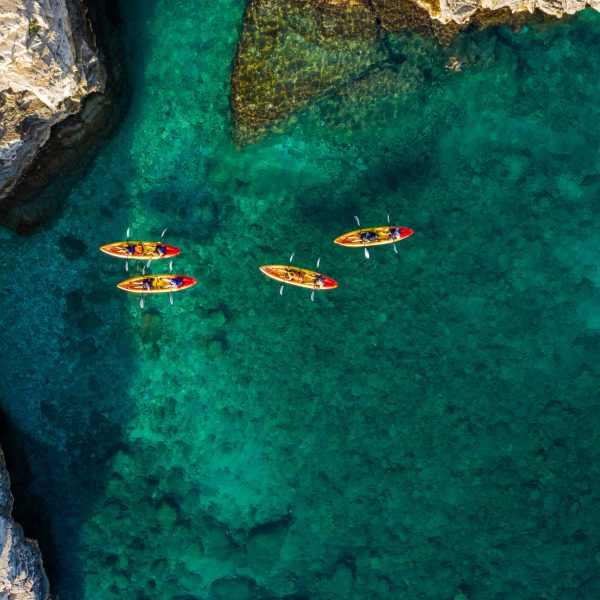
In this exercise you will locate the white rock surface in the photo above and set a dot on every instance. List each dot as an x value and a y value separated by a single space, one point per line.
461 11
22 575
48 64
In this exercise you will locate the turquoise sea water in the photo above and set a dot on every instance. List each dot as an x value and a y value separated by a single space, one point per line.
428 430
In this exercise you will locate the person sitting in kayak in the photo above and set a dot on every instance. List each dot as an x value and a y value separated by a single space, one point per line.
160 249
320 281
293 275
134 249
395 233
366 237
147 283
455 65
176 281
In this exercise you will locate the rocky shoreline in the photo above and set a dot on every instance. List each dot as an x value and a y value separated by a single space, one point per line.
58 93
22 575
291 51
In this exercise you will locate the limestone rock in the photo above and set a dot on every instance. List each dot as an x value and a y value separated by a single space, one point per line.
22 575
48 65
460 11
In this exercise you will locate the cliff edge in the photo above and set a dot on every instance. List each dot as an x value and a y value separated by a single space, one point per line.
49 64
22 575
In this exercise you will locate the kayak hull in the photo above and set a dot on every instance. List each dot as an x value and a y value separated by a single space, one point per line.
156 284
382 234
299 277
142 250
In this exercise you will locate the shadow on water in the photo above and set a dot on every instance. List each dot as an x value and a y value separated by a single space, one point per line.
65 399
59 449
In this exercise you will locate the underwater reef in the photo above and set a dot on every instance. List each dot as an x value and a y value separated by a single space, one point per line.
291 51
22 575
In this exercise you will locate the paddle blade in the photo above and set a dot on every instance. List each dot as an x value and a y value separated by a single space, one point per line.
148 264
127 234
142 302
357 220
281 291
170 266
127 266
163 233
395 249
312 296
318 262
292 257
388 218
171 299
366 253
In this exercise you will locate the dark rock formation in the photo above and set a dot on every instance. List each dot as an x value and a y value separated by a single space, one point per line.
291 51
57 99
22 574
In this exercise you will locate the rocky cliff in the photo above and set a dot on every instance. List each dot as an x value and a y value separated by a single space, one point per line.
49 65
460 11
293 50
22 575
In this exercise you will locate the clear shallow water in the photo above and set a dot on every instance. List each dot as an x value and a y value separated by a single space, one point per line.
428 430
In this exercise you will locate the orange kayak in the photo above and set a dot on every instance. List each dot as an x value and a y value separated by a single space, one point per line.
157 284
300 277
140 250
374 236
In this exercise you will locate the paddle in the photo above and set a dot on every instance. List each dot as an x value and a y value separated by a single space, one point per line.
126 261
161 237
170 271
393 245
366 251
142 298
312 294
281 288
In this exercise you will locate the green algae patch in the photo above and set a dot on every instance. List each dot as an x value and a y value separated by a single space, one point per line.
290 52
293 51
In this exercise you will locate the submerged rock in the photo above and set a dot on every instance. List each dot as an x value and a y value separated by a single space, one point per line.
265 542
22 575
291 51
233 588
151 330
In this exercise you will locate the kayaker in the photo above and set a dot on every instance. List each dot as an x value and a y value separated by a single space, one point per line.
320 281
160 249
366 237
176 281
455 64
395 233
147 283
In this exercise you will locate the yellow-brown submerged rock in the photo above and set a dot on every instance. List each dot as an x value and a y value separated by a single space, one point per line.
291 51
